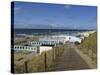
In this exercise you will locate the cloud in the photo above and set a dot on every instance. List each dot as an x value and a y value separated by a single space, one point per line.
17 10
67 6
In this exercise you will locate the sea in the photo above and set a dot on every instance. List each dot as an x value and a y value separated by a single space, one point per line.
47 31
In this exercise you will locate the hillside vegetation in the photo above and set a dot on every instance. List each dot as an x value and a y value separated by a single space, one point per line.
40 63
89 47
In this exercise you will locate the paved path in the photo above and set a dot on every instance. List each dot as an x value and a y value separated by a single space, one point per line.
69 60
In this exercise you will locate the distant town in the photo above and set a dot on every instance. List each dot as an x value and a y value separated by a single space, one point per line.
32 43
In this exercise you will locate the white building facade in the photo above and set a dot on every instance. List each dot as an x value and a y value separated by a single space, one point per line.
25 48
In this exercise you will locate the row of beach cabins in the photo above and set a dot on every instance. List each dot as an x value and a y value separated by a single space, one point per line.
48 42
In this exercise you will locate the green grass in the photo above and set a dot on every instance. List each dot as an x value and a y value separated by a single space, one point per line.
91 42
36 63
89 46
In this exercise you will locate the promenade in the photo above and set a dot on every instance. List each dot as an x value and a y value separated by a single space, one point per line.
69 60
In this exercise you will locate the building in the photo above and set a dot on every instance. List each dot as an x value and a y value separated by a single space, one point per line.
25 48
55 38
45 48
33 49
85 34
74 39
44 43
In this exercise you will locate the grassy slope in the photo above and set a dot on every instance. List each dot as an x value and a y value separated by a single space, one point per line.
90 42
89 47
36 64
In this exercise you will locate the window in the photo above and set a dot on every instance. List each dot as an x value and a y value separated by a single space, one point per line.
17 47
26 47
34 48
31 48
20 47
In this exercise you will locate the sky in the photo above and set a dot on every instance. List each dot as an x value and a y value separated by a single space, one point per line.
32 15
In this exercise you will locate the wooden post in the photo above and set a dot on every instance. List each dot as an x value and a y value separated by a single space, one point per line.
38 50
45 61
26 67
53 54
58 51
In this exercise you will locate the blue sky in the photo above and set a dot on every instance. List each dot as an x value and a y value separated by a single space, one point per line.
28 15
